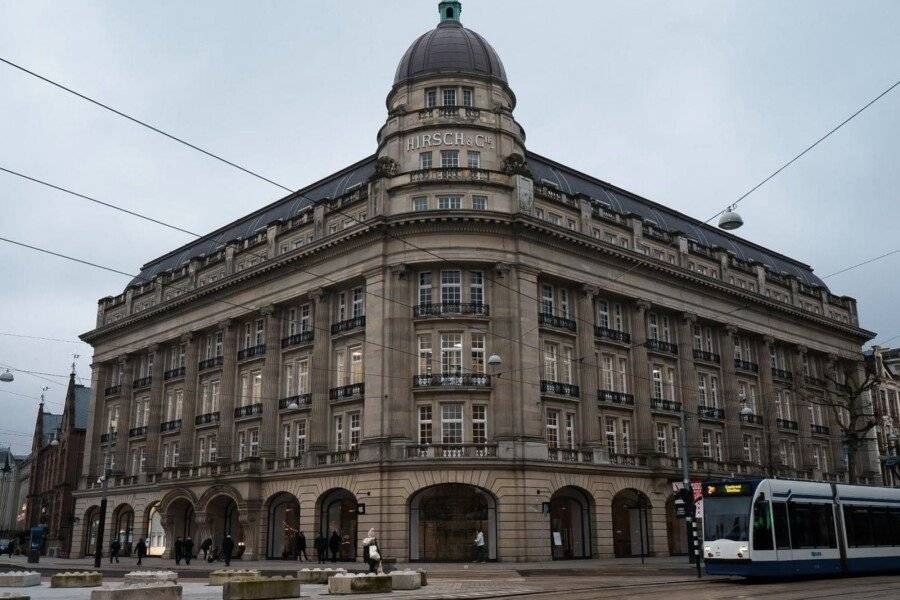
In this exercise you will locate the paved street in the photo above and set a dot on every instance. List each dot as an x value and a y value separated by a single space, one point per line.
569 580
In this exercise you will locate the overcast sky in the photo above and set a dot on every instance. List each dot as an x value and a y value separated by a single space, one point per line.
689 104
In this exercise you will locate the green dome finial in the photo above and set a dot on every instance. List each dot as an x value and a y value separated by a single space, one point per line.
450 10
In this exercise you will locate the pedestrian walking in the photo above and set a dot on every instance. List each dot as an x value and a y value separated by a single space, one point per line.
205 546
480 555
115 547
227 549
188 550
301 547
320 544
178 550
141 550
334 544
371 554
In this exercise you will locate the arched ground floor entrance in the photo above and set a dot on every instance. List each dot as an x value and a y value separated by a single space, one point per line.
444 521
631 523
91 528
283 526
570 523
155 533
123 528
222 515
339 523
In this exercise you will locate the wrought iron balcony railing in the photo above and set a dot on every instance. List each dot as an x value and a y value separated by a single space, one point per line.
142 382
787 424
710 357
304 337
451 309
752 419
819 429
112 390
782 374
109 437
661 346
251 351
711 412
746 365
348 325
174 373
612 334
137 431
559 322
452 451
173 425
615 397
665 405
559 388
354 390
249 410
207 419
301 400
461 380
209 363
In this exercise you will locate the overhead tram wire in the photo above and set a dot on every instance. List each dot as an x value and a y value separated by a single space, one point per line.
38 337
808 148
634 375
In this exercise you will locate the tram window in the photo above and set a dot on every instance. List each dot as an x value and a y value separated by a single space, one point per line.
762 526
881 526
859 526
895 517
812 526
782 533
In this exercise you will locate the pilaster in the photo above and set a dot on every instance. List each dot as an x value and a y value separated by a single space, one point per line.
767 404
225 438
732 403
687 373
588 378
189 406
268 434
643 427
804 402
153 464
120 447
90 465
319 372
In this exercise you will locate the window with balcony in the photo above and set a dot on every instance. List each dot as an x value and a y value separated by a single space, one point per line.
425 354
451 354
451 424
662 438
339 432
426 426
553 428
477 353
451 287
357 302
449 159
658 327
479 424
174 405
112 418
171 452
551 361
476 287
610 315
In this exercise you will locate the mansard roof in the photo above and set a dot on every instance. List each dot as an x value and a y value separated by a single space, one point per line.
544 170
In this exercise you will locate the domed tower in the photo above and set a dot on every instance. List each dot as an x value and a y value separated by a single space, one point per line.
450 111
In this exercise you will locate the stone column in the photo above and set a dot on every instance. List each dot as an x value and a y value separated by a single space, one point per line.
836 457
525 386
733 434
375 365
687 373
768 409
91 463
804 460
189 406
399 333
645 441
588 379
153 464
121 445
505 326
319 375
268 439
229 392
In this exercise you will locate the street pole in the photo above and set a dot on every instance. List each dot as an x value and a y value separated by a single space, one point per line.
98 550
693 543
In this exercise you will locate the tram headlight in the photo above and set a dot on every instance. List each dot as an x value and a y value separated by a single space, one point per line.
742 551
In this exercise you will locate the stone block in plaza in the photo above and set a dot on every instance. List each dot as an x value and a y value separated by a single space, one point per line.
359 584
317 575
150 577
406 580
262 588
76 579
14 596
20 579
424 575
223 576
163 591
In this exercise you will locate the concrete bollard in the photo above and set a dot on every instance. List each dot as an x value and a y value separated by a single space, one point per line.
139 592
424 574
359 584
20 579
150 577
76 579
262 588
223 576
405 580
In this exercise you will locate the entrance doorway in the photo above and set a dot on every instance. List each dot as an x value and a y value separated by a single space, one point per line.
631 511
92 526
223 521
570 524
124 529
156 533
676 529
284 526
338 513
444 520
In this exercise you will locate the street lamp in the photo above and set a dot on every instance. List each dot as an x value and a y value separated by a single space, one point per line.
103 480
730 219
6 377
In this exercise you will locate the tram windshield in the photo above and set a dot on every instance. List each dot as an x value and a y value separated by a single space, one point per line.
726 518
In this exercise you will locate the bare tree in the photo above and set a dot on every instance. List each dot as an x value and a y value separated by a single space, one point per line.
851 403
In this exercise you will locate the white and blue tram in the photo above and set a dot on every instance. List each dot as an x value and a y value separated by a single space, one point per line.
784 528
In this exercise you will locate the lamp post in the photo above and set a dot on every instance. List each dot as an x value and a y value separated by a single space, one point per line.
103 480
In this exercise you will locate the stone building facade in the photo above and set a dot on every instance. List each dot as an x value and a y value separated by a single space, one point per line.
323 364
885 363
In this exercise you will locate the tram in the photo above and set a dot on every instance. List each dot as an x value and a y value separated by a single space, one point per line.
785 528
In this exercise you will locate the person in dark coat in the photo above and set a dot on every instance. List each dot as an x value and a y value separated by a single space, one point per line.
115 547
205 546
301 547
334 544
178 550
188 550
320 544
141 550
227 549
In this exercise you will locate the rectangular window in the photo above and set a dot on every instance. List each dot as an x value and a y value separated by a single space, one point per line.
358 302
603 313
476 287
477 353
292 322
812 525
425 288
608 374
340 368
479 424
718 446
257 387
662 438
356 365
420 203
339 432
451 287
653 326
626 436
451 354
547 299
449 202
242 445
657 382
260 337
425 354
565 309
610 429
425 160
300 437
430 98
303 376
479 202
448 96
286 440
623 375
214 395
473 158
551 361
449 159
451 424
354 430
676 436
706 441
553 428
425 426
748 448
468 95
570 430
714 390
701 389
567 365
254 442
289 384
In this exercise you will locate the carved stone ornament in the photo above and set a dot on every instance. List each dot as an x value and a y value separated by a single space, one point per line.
524 194
385 166
515 164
